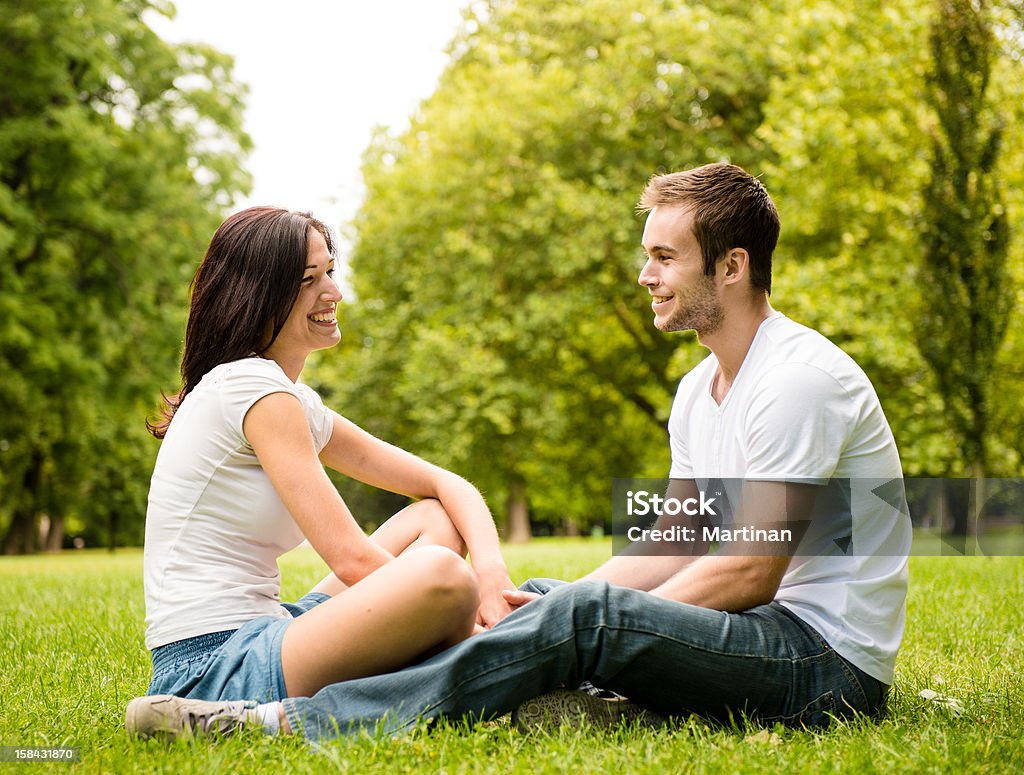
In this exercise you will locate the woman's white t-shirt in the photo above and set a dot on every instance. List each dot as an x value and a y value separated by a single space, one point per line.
215 525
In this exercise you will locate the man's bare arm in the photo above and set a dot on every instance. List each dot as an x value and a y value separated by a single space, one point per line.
745 574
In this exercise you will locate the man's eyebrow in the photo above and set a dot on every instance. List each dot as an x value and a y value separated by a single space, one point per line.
658 249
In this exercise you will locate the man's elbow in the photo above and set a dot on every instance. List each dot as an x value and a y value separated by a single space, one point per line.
760 583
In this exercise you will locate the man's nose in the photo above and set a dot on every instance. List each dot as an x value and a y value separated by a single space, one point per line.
647 277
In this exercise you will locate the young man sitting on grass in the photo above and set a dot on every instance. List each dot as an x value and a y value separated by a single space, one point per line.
796 636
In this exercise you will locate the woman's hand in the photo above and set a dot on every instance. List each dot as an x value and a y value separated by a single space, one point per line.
493 583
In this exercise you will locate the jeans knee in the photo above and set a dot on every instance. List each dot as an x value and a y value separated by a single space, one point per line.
592 589
586 600
541 586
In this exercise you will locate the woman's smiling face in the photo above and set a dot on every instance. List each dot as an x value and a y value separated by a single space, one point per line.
312 323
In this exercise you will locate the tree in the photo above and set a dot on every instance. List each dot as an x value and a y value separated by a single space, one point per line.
966 235
117 153
966 230
844 121
849 125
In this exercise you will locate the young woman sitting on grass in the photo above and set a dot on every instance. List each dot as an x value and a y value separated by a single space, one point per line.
240 480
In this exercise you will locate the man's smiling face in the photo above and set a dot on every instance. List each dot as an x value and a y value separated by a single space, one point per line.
683 296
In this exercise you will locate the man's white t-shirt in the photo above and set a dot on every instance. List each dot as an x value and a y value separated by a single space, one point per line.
215 525
801 409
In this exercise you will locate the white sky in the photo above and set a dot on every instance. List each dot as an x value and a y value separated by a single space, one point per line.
321 74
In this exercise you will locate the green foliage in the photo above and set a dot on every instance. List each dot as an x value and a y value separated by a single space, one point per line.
71 657
497 327
117 153
844 120
966 230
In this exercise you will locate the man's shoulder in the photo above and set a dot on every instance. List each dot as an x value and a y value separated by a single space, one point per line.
788 343
784 334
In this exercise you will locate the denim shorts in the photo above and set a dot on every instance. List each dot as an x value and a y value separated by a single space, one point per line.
242 664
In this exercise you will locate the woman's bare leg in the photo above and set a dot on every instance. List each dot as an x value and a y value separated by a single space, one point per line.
424 600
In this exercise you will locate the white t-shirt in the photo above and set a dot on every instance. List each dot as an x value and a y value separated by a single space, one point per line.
802 409
215 526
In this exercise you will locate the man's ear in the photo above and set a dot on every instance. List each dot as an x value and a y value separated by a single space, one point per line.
734 266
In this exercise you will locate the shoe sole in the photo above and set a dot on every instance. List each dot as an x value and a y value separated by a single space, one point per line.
575 708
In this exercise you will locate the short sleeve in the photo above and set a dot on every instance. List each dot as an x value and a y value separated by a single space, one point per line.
797 425
681 467
321 419
245 383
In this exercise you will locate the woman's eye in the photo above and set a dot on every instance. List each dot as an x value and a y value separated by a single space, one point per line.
307 280
330 272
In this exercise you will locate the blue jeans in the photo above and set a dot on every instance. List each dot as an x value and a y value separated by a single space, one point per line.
670 657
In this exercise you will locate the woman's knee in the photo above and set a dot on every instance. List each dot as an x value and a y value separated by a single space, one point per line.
445 578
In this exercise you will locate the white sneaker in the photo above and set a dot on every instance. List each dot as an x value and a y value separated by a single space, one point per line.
169 717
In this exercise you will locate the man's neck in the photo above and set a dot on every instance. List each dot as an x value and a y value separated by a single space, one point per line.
731 342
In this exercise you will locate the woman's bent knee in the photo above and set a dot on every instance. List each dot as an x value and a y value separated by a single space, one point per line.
445 577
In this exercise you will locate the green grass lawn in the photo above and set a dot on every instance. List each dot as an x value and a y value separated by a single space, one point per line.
71 657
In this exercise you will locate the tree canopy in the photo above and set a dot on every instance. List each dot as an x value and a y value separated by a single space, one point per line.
118 153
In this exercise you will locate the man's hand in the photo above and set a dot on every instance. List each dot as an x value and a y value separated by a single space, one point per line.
516 598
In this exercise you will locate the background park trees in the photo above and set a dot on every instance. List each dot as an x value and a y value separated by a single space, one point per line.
496 325
117 153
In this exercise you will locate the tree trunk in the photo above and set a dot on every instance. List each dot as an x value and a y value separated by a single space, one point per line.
113 523
980 492
958 501
55 535
22 535
518 513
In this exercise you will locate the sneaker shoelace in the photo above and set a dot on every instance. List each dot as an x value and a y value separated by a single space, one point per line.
224 720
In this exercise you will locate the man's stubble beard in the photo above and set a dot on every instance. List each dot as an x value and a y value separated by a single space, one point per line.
700 310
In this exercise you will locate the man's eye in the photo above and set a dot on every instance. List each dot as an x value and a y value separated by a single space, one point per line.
330 272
